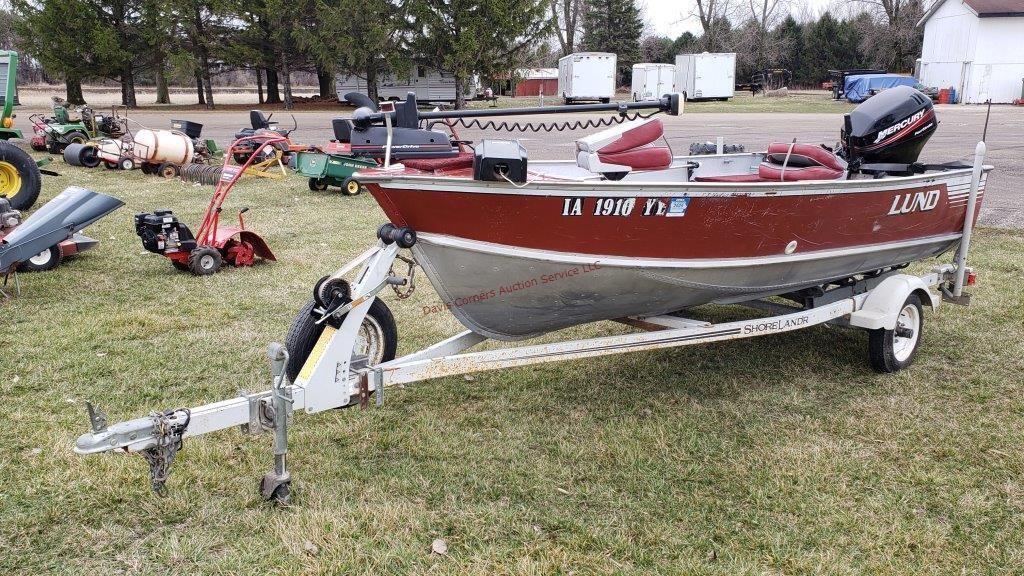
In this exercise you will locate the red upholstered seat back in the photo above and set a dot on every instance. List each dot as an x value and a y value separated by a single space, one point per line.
633 148
796 162
642 135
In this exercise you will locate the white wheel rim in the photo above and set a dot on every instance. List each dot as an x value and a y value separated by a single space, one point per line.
370 341
42 258
206 262
910 319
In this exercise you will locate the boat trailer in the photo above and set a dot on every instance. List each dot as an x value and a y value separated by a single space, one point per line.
888 304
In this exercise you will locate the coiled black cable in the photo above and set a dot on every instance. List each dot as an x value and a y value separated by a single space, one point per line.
506 126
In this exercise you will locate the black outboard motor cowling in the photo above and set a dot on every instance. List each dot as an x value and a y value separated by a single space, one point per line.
890 127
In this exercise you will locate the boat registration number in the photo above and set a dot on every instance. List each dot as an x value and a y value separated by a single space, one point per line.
579 205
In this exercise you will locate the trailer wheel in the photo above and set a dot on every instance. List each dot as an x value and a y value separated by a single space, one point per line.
378 335
19 177
317 184
126 164
204 261
893 350
168 171
46 260
351 187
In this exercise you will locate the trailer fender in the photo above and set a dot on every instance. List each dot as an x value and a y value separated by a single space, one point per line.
883 303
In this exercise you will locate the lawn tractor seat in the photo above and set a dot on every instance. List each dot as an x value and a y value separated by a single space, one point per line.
258 120
624 148
806 162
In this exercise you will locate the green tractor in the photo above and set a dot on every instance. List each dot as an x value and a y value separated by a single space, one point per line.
19 173
62 130
8 83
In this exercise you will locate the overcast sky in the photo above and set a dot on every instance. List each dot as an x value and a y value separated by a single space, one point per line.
673 17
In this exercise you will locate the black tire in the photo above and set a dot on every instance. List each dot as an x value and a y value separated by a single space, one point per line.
889 350
19 177
75 137
304 333
106 164
168 171
317 184
204 261
148 168
351 187
46 260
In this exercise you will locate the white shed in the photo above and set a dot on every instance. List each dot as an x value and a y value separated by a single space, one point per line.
974 46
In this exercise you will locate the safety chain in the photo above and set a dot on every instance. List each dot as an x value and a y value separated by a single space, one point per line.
411 275
168 443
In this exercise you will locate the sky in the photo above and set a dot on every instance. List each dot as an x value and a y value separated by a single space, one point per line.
672 17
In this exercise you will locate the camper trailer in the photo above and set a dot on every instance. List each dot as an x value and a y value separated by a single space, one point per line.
652 81
428 84
706 76
587 76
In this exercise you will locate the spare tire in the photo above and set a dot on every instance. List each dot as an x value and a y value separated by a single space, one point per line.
20 180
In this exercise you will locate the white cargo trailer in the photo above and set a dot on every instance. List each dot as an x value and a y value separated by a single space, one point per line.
652 81
706 76
587 76
428 84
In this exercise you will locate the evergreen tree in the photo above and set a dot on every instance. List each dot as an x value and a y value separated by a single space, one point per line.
44 33
614 26
466 37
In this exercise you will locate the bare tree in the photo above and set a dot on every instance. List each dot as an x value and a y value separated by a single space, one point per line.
762 45
714 21
904 37
568 18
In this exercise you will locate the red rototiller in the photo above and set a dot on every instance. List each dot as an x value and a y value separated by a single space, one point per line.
204 253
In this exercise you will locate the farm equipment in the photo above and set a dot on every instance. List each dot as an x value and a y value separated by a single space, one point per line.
8 83
57 133
20 178
264 125
41 241
325 169
159 152
204 253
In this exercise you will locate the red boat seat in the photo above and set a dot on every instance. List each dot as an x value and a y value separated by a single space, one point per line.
623 148
806 162
463 160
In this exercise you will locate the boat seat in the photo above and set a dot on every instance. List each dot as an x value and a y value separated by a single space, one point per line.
463 160
806 162
624 148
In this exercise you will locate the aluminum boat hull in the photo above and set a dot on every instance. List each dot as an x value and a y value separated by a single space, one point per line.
512 263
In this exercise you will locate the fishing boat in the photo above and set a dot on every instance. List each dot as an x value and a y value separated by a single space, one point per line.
627 229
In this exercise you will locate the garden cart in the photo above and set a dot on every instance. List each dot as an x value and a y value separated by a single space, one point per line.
325 169
205 252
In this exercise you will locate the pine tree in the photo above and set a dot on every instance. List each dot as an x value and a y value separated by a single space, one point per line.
614 26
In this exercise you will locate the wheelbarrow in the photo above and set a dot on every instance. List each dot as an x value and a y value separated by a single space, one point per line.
324 170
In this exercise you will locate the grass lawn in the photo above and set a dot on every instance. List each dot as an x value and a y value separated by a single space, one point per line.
780 455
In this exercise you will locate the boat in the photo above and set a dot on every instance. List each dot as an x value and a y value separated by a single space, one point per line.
626 229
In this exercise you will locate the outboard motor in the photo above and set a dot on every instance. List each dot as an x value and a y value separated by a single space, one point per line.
890 128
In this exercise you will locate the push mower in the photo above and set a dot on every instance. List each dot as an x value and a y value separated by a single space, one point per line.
204 253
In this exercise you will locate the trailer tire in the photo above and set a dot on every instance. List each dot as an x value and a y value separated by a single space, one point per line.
126 164
317 184
46 260
19 177
893 350
351 187
168 171
204 261
305 332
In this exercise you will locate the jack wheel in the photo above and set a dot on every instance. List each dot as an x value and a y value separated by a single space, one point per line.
126 164
317 184
46 260
20 180
282 495
167 170
351 187
204 261
893 350
378 336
